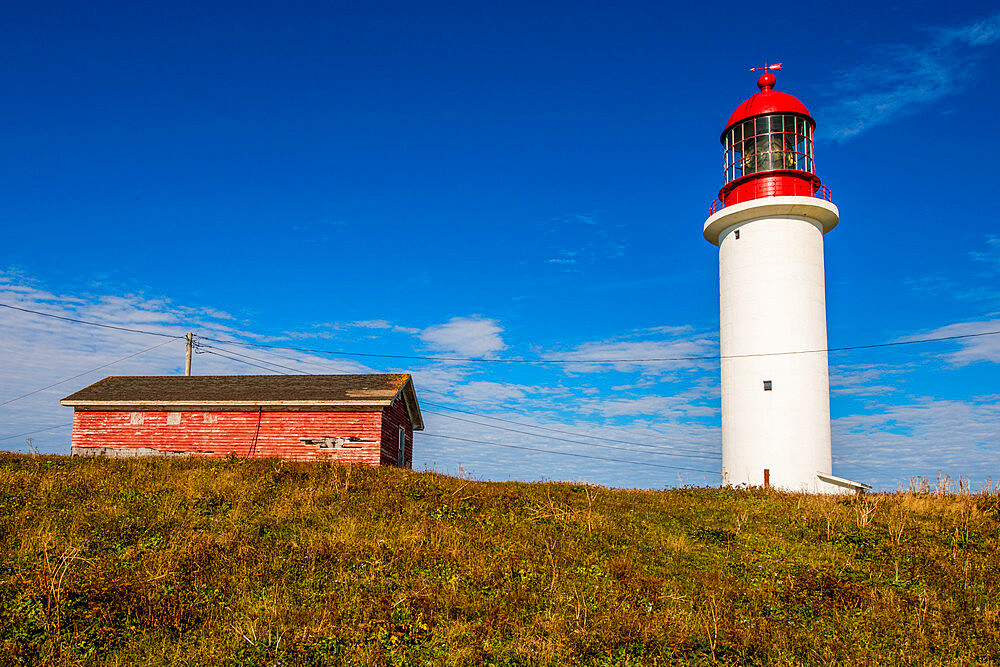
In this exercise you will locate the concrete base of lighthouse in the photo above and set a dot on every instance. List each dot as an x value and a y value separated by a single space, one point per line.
775 374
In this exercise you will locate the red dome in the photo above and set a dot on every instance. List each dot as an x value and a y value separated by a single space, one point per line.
765 102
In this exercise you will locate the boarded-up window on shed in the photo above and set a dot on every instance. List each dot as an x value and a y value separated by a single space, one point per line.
173 418
135 418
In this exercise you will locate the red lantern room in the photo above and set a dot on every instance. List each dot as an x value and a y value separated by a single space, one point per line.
768 145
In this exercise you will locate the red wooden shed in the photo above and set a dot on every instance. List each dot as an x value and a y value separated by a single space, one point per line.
345 418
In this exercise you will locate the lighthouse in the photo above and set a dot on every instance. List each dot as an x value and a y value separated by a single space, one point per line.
768 222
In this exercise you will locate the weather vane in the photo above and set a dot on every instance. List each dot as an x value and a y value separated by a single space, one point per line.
766 67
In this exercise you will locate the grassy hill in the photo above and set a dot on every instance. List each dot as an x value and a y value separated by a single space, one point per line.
201 562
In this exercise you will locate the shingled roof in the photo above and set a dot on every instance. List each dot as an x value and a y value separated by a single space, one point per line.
250 391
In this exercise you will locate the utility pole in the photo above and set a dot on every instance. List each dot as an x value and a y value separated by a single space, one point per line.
189 338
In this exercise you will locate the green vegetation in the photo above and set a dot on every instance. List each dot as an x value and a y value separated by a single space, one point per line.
208 562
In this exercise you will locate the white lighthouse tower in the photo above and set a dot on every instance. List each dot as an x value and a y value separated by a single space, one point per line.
769 223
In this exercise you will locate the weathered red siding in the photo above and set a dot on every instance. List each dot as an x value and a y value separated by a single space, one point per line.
223 433
394 417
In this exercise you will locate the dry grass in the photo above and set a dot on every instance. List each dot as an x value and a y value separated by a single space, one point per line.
262 562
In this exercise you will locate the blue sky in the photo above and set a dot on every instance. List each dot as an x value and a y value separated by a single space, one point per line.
519 181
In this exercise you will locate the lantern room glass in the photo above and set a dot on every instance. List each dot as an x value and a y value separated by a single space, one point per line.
766 143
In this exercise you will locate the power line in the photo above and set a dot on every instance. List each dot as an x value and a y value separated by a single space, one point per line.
577 442
603 361
211 351
55 384
47 428
207 349
600 458
470 359
241 361
264 361
581 456
518 361
556 430
92 324
697 453
659 448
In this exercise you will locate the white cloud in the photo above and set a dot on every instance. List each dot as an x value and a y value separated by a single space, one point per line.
334 329
382 324
923 437
972 349
466 336
634 440
482 391
980 33
673 404
372 324
38 351
863 379
903 79
696 399
676 351
992 253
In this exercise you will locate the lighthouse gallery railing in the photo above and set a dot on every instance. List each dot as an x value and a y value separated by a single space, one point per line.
822 193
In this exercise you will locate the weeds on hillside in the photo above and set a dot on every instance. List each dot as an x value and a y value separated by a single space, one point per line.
266 562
